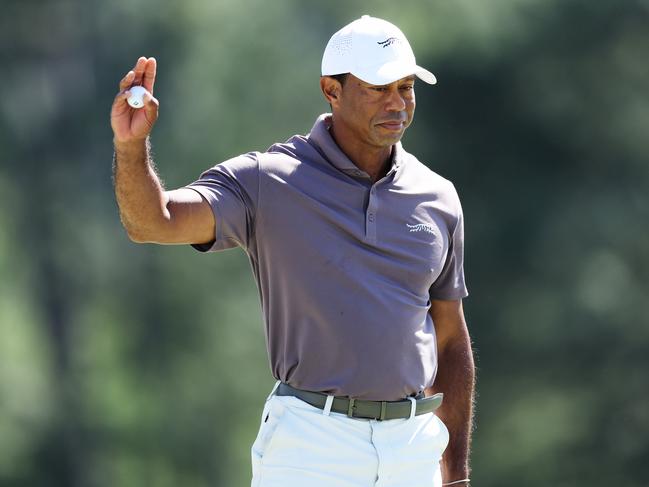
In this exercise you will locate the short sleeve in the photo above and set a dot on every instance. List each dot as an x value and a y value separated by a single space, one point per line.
231 189
450 284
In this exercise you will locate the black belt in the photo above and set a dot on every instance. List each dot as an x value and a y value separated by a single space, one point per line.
360 408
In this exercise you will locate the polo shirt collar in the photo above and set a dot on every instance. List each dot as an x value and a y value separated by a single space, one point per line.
321 137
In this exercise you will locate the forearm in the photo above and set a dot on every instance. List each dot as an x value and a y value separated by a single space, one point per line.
140 195
456 379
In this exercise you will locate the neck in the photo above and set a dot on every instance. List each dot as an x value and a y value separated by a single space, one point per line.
375 161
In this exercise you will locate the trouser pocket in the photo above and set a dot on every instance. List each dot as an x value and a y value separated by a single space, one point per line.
270 417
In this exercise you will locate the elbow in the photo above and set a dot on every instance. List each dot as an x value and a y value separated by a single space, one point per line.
157 234
148 229
137 233
136 237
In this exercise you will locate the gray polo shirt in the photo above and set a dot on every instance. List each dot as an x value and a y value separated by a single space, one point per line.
345 268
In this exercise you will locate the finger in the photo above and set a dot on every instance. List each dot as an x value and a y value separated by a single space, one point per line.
149 74
151 107
121 97
120 104
127 81
150 101
139 70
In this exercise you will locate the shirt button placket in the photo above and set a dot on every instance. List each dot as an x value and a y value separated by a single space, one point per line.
370 224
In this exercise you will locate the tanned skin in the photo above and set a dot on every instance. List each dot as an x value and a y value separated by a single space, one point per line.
148 212
456 379
367 120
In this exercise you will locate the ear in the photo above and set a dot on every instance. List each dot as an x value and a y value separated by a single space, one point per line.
331 89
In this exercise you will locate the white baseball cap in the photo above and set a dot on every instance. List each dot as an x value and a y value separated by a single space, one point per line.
374 51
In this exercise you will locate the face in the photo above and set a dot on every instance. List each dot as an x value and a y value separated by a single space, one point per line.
375 115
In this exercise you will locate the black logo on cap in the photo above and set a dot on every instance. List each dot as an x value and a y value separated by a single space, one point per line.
388 42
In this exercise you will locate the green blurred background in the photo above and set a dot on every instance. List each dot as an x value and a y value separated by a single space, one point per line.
138 365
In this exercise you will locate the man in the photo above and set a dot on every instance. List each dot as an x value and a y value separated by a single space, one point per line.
357 250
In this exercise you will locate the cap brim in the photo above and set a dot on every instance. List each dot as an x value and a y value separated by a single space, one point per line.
426 76
391 72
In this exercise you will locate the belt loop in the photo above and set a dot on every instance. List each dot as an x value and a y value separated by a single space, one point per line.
328 403
274 389
413 407
383 408
350 409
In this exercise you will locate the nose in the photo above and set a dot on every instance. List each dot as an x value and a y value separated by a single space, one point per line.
395 101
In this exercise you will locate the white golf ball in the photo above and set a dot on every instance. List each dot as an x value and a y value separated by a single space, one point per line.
136 96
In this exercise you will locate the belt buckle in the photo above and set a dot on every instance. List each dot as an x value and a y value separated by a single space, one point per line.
351 409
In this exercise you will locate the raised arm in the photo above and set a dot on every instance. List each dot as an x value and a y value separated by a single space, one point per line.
455 378
148 212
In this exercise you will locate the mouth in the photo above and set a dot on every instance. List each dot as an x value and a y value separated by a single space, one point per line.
392 125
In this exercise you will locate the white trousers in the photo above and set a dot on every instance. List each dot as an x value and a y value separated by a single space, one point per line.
298 445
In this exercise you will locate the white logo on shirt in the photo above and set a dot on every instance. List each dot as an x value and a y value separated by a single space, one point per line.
421 227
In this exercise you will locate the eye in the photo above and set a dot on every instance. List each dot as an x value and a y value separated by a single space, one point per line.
408 87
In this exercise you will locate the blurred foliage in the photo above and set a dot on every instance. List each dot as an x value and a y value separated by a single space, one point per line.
140 365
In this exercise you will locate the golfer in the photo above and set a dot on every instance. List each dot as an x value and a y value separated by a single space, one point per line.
357 251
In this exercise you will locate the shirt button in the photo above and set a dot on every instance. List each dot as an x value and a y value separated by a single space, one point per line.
371 217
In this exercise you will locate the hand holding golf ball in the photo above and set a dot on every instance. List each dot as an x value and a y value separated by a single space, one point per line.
135 108
136 96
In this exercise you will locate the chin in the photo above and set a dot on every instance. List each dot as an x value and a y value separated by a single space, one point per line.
389 141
